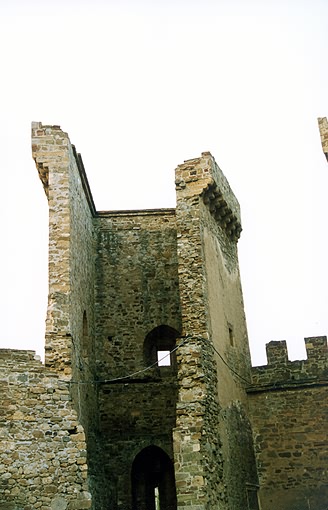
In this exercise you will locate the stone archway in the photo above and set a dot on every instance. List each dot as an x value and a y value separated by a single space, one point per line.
153 482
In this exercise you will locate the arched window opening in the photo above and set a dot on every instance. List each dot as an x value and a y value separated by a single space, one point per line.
153 482
158 346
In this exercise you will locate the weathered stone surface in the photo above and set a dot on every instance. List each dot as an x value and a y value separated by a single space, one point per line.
103 425
58 503
36 461
208 226
289 415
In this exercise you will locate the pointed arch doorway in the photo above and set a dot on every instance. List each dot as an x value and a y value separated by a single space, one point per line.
153 482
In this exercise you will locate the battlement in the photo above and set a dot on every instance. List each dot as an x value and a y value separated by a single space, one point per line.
280 372
203 177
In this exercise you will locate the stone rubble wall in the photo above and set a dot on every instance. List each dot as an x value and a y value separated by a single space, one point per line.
113 276
136 292
71 246
211 402
136 285
50 151
42 444
198 455
288 403
70 324
228 332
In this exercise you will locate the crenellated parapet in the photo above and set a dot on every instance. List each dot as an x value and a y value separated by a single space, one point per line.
282 373
288 410
203 177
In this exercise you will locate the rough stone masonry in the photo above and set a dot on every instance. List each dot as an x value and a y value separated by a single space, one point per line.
147 398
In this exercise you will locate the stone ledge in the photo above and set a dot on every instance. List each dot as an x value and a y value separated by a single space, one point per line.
136 212
299 384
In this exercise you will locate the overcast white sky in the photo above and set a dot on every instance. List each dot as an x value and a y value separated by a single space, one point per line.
140 87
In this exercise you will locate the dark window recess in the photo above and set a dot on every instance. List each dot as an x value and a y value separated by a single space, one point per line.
158 347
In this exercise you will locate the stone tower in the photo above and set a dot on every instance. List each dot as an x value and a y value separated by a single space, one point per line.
147 399
146 321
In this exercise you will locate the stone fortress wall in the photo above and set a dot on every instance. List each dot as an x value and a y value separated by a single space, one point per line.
42 444
70 321
288 404
137 310
205 431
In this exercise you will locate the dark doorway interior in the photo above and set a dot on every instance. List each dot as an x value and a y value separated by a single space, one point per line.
153 483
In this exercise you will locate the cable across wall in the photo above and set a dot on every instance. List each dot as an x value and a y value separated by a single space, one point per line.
156 364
